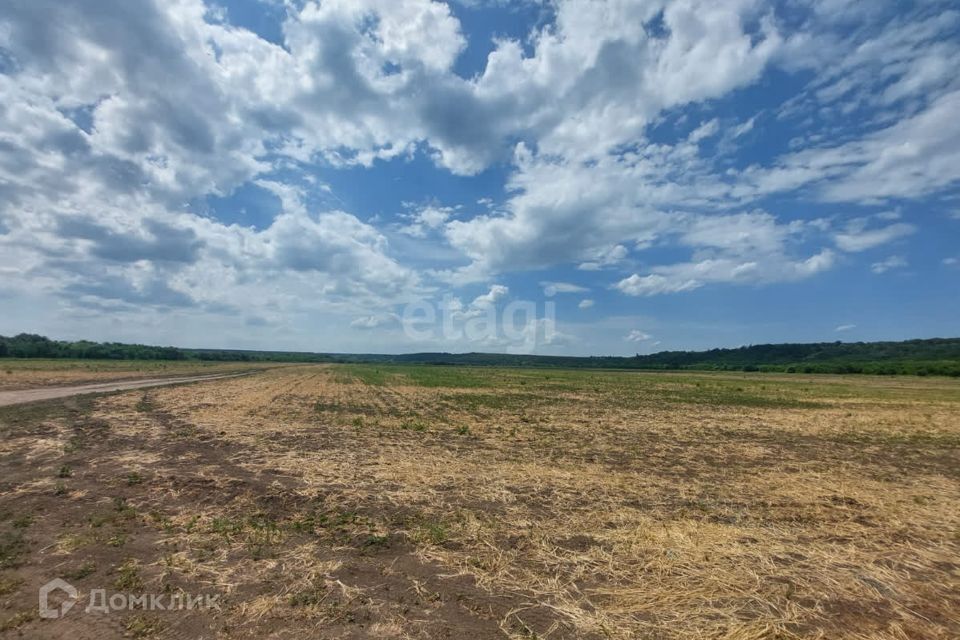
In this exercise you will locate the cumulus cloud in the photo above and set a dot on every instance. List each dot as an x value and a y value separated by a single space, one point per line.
178 104
426 219
636 335
116 114
158 257
155 241
574 198
586 303
497 292
581 198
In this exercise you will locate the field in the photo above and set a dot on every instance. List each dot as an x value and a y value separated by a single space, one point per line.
17 374
335 501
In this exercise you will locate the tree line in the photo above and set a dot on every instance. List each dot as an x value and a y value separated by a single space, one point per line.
28 345
937 356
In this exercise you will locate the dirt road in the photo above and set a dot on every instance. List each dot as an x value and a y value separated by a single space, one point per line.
50 393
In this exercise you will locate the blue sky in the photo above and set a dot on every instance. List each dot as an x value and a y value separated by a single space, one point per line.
568 177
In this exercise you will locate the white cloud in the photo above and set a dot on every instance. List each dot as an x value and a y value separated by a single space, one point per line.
845 327
497 292
654 284
179 106
756 232
915 157
425 220
857 237
687 276
138 255
225 106
565 211
637 336
876 65
589 215
553 288
374 321
893 262
741 248
706 130
743 128
603 256
586 303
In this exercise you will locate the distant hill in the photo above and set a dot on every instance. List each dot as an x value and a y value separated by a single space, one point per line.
937 356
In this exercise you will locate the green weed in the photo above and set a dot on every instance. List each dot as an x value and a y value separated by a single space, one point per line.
128 576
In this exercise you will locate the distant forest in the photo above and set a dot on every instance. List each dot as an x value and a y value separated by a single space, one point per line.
27 345
938 356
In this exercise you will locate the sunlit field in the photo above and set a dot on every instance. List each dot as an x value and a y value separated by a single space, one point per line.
16 374
439 502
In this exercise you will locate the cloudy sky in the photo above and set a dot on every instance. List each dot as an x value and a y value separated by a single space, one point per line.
644 175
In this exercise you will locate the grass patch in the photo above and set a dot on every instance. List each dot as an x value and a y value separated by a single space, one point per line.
415 375
143 626
145 404
315 593
12 546
70 542
367 374
724 395
86 569
128 576
506 401
431 532
375 542
258 533
17 620
10 584
22 522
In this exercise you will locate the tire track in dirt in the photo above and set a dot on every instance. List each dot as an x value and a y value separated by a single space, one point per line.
24 396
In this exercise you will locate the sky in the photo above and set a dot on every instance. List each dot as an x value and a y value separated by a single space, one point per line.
556 177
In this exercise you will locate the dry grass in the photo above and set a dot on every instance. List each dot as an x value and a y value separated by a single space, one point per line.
561 504
16 374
